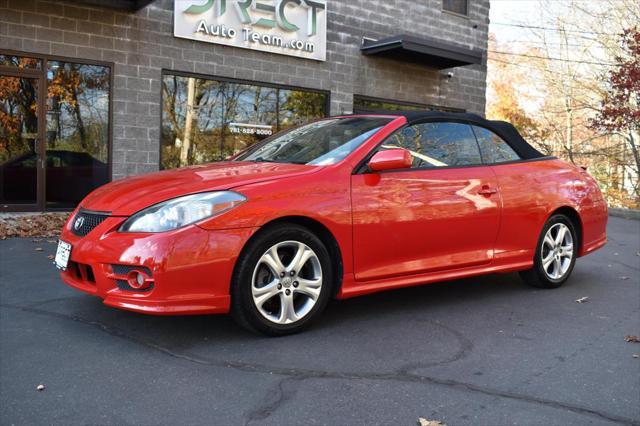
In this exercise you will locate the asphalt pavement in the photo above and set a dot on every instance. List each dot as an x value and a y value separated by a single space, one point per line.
481 351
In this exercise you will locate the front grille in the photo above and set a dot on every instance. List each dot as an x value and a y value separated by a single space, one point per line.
84 222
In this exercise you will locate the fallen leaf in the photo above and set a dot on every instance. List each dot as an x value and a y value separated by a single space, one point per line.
40 387
424 422
582 299
38 249
631 339
36 225
51 257
624 278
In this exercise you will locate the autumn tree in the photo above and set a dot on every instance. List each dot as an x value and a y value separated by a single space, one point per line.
620 108
560 77
508 95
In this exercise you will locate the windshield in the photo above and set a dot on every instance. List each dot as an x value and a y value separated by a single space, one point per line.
321 143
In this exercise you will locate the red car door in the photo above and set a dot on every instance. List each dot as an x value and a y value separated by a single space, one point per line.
443 213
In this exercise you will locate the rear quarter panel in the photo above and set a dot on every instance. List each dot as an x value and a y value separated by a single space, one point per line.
531 191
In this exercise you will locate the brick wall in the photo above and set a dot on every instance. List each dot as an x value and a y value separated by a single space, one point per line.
141 44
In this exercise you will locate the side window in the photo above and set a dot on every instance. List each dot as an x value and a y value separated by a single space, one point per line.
437 144
494 149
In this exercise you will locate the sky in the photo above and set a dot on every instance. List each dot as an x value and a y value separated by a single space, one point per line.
513 12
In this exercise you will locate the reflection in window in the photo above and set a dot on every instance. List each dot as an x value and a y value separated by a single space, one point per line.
365 105
191 116
250 114
437 144
298 107
77 131
206 120
493 148
319 143
18 140
20 62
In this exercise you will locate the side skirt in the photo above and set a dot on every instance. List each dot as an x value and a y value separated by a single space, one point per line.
353 288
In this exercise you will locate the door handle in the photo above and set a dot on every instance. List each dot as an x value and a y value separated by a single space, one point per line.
487 191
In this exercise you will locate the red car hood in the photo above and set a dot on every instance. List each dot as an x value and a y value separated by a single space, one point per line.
127 196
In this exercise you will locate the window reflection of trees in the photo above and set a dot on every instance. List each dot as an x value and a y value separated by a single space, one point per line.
197 117
494 149
76 123
78 108
18 117
437 144
20 62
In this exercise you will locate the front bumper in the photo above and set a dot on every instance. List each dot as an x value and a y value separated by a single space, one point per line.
191 268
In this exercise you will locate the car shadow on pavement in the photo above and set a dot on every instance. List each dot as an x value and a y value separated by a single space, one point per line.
341 315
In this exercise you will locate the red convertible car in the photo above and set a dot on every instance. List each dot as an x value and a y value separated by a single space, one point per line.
337 208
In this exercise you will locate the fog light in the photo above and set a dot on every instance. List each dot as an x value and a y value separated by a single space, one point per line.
137 280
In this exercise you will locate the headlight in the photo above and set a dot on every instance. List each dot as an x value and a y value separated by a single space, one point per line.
182 211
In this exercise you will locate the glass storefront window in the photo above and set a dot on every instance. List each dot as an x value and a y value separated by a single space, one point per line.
298 107
22 62
250 114
18 140
365 105
318 143
205 120
54 131
77 131
191 116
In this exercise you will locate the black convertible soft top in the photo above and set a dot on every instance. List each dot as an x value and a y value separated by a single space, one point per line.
503 129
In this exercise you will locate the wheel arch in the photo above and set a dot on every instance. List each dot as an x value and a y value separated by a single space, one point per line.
576 221
320 230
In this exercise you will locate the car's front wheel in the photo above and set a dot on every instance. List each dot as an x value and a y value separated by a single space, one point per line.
282 281
555 254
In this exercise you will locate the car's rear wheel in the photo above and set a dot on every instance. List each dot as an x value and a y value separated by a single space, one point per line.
282 281
555 254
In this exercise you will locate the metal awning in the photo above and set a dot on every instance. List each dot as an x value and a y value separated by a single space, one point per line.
426 51
123 5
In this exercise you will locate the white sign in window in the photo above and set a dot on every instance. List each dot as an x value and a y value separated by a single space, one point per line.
287 27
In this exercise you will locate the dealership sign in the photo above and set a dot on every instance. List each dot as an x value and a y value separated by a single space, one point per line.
288 27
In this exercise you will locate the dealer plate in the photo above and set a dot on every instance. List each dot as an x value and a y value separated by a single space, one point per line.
62 255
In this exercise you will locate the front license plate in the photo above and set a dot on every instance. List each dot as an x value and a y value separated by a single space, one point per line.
62 255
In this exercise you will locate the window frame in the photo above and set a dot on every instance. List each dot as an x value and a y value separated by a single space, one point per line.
41 75
361 167
460 15
165 71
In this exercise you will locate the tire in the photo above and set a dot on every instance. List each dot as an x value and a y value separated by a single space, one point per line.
552 264
263 300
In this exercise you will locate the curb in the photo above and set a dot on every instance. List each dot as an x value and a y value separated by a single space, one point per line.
624 213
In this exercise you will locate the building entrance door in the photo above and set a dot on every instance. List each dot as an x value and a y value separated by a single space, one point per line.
54 131
21 148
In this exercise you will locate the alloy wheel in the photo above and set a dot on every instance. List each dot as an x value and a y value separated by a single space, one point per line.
557 251
286 282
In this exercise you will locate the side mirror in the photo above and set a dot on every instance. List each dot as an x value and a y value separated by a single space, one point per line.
391 159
